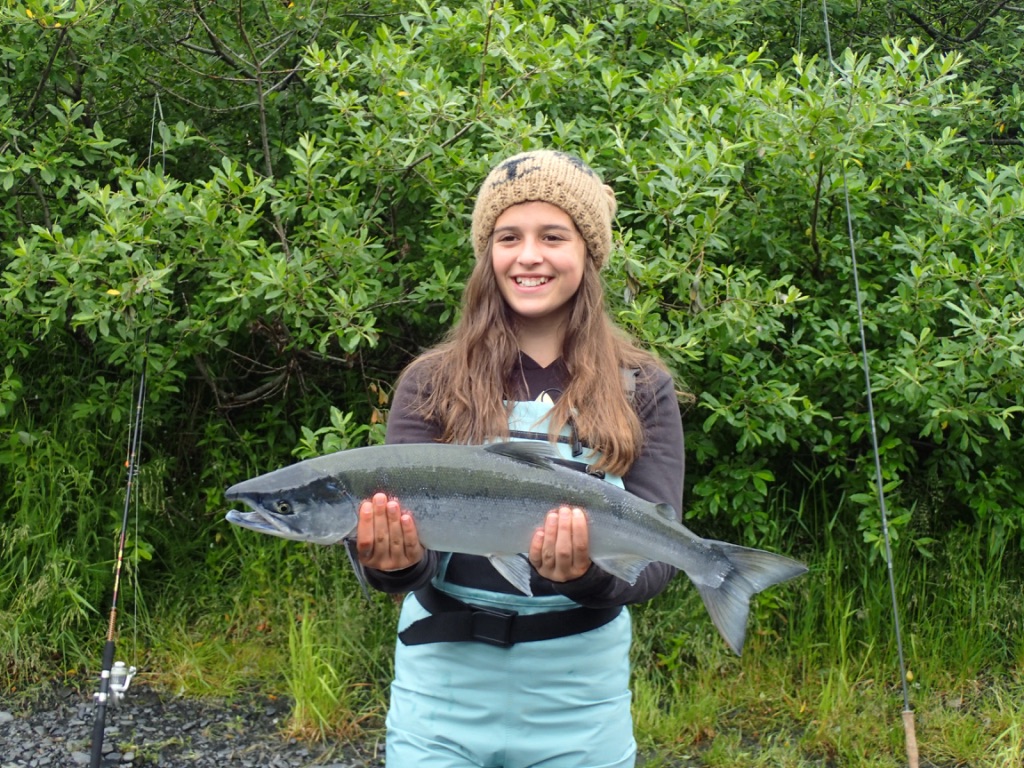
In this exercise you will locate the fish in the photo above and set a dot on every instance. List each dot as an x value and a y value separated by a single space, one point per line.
489 500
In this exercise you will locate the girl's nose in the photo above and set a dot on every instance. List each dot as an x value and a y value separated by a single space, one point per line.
530 252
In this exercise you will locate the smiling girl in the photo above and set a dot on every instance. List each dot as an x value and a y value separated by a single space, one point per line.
486 676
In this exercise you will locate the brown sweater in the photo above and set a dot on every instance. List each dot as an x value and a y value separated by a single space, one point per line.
657 476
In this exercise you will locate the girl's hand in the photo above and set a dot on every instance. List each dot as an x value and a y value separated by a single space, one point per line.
386 537
560 550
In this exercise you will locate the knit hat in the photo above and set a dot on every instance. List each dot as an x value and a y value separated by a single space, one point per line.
551 177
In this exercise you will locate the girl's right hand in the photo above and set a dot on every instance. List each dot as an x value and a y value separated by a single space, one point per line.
386 537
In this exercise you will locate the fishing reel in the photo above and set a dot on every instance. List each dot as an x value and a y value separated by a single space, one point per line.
120 678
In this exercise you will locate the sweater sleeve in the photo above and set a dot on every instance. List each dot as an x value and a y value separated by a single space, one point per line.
657 476
406 426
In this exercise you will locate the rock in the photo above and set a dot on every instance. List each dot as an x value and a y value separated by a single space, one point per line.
154 729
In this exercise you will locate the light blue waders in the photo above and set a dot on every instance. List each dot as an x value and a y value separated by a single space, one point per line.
560 703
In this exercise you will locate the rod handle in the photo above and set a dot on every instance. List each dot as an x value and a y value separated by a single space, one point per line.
908 727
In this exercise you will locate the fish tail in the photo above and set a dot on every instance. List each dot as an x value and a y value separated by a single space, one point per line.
751 571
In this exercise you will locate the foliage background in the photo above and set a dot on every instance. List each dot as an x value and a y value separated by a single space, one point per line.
268 203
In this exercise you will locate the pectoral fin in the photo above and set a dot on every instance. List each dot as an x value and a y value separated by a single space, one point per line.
353 558
516 569
625 567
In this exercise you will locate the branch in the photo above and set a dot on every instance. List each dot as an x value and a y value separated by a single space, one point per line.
198 48
47 221
227 400
815 214
458 134
998 141
222 51
974 34
483 58
261 392
39 88
932 32
261 98
980 26
288 77
285 39
36 189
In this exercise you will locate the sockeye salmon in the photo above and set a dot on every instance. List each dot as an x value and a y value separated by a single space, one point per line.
489 500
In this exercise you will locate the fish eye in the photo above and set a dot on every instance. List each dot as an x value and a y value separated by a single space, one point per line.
282 507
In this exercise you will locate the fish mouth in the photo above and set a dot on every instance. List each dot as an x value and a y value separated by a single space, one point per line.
262 522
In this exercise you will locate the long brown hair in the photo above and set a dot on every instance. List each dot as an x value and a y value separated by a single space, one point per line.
467 383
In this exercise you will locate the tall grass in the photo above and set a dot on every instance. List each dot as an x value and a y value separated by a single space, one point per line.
340 661
54 560
819 682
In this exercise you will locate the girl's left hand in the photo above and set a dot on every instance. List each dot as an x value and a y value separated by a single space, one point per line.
560 550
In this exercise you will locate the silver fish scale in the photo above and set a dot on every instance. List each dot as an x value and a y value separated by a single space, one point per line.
447 486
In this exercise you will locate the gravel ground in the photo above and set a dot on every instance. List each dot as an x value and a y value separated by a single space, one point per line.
53 728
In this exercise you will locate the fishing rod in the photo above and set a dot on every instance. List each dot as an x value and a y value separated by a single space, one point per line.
117 676
908 713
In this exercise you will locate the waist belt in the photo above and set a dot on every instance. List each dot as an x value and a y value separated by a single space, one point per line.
453 621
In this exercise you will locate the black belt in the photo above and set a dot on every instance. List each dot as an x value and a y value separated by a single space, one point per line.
453 621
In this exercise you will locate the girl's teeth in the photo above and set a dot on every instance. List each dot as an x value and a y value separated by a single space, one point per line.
531 282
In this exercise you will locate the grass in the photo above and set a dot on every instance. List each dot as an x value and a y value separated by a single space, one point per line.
50 580
227 611
818 683
339 661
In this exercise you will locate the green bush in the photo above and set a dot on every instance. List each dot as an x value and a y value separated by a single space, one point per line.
281 229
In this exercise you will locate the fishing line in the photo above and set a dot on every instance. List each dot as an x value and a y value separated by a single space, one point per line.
908 713
115 677
157 108
134 573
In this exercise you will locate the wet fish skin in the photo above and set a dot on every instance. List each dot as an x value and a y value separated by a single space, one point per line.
489 500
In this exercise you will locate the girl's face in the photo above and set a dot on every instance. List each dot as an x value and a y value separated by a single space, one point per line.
538 257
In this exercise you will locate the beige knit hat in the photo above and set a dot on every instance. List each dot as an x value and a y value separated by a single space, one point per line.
551 177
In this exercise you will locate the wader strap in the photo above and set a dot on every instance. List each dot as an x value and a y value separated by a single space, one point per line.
453 621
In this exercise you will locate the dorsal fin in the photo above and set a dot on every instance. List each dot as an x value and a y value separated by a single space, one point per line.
667 511
527 451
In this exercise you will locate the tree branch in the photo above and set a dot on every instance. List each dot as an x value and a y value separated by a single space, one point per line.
223 52
979 27
39 88
261 98
458 134
815 215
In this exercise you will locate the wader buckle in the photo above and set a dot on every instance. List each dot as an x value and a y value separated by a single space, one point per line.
492 626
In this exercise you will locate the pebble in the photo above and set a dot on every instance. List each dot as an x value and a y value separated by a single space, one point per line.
154 729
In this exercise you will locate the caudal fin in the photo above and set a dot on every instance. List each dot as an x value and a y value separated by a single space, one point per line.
753 570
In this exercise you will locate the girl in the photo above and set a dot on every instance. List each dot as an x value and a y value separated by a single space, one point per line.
486 676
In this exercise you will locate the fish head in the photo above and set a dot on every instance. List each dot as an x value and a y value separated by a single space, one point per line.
299 502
